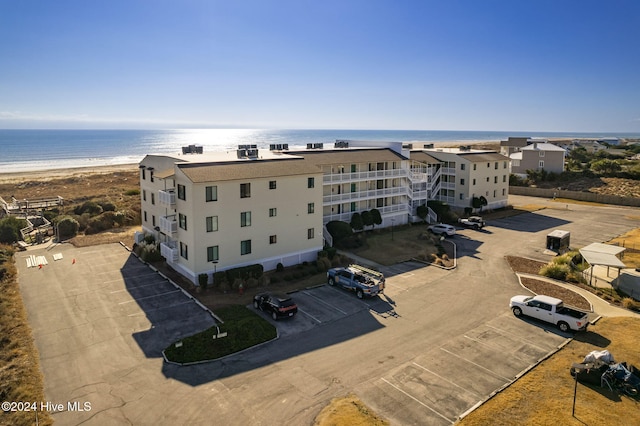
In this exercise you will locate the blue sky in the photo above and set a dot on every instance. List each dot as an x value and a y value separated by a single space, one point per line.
558 65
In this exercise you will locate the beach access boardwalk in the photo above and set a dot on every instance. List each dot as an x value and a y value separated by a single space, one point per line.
21 206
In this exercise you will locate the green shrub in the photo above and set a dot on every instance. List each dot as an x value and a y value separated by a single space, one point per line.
108 206
203 280
555 271
90 207
132 192
10 227
339 230
67 227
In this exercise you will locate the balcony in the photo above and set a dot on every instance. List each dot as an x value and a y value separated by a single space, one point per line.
386 210
168 251
360 176
364 195
168 225
167 197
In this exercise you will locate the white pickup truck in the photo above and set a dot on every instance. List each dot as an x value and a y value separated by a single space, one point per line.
551 310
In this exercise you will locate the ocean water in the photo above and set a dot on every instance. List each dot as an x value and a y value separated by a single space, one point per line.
30 150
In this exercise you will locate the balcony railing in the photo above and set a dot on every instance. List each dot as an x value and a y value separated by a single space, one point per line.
167 197
168 225
346 216
359 176
169 252
363 195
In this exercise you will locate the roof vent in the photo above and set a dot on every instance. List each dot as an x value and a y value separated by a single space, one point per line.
341 144
279 147
315 145
192 149
247 151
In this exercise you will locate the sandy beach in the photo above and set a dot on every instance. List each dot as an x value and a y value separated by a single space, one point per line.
45 175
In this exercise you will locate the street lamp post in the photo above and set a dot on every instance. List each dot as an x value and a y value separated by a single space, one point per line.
215 269
392 222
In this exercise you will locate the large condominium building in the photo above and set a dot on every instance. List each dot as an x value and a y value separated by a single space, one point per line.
218 211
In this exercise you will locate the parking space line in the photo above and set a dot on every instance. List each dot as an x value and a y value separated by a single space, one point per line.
477 365
149 297
518 337
131 288
125 278
447 380
325 303
310 316
417 400
157 309
494 347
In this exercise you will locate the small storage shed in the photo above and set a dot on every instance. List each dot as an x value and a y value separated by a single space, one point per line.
558 241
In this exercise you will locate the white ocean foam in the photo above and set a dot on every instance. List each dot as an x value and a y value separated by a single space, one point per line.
39 165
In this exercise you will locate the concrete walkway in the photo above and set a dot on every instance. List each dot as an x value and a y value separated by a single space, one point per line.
599 306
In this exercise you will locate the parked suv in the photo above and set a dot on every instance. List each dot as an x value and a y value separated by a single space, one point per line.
441 228
277 304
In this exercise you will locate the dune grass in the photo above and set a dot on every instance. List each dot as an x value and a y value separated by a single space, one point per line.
20 375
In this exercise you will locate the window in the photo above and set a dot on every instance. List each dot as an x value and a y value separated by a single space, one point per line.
273 239
144 195
311 182
487 178
462 166
541 153
272 184
182 221
353 187
474 180
211 193
488 165
245 190
212 223
494 193
504 178
151 175
144 173
153 220
353 206
310 208
245 219
474 166
182 192
212 254
495 179
273 212
504 191
145 216
353 168
153 198
461 181
245 247
462 196
504 165
310 233
184 250
541 164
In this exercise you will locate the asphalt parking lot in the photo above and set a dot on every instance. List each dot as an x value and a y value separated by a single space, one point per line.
432 347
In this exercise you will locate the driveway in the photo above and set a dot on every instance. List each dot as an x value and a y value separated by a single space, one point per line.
435 345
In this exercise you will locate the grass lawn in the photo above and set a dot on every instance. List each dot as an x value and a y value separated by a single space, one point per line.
244 329
387 248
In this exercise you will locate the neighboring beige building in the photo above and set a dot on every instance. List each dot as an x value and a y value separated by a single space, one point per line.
538 156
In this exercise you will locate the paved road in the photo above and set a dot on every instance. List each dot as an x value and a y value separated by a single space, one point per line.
432 347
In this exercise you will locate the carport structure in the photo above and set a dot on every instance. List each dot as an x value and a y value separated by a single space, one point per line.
604 255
